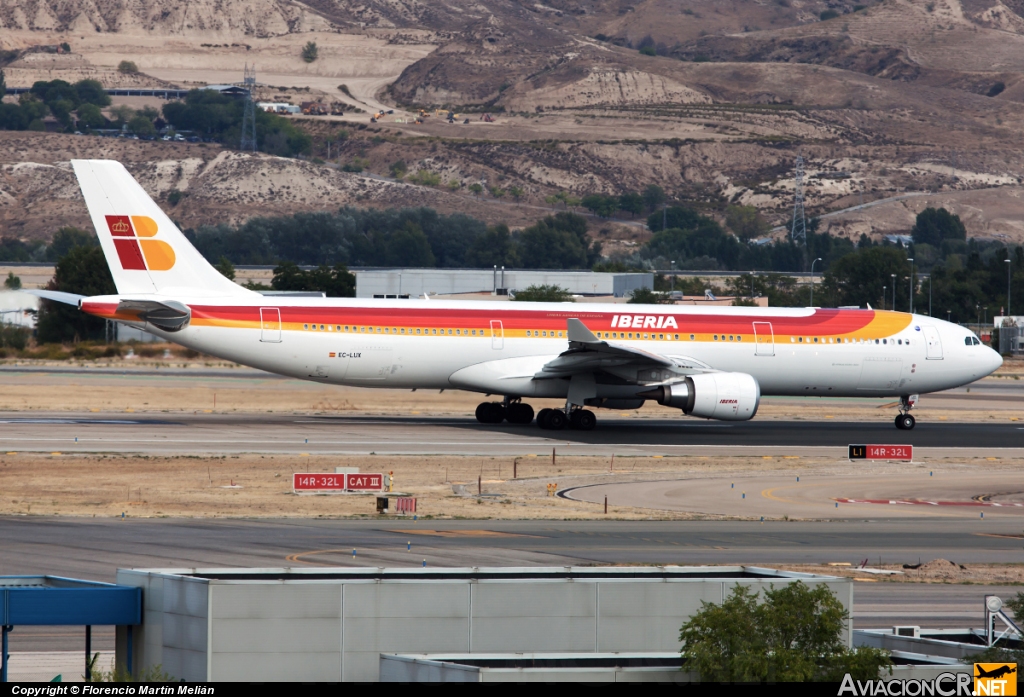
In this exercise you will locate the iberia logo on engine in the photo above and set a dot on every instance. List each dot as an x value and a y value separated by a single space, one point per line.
134 248
995 679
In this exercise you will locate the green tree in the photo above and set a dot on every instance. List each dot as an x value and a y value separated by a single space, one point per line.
476 188
632 203
127 66
336 282
558 241
859 278
794 635
493 248
83 271
543 294
310 52
654 196
225 268
122 114
601 205
398 169
646 296
90 116
497 192
746 222
827 15
515 192
68 238
141 126
91 92
935 225
12 282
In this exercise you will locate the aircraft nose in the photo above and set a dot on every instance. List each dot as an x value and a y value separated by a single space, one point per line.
993 360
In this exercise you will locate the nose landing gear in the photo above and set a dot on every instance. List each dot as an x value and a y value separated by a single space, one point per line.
905 421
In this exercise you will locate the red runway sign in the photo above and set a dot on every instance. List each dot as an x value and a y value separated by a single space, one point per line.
318 482
337 482
365 482
881 452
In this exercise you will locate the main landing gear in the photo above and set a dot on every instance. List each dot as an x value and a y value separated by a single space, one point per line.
513 411
905 421
556 420
518 413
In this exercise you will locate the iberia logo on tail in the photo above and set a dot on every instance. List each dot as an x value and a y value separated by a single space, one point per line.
134 248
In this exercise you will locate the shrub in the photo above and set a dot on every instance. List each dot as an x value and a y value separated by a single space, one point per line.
127 66
544 294
827 15
310 52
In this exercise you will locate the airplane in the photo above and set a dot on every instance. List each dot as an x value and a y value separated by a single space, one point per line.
713 363
995 672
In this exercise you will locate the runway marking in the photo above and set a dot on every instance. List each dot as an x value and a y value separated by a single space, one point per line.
296 558
90 422
996 534
767 493
917 502
460 533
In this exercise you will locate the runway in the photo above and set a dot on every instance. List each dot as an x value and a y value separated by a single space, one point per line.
94 548
215 433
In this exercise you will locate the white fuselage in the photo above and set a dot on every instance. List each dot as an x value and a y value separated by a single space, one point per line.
485 347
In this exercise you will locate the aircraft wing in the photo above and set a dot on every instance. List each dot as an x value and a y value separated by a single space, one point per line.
588 354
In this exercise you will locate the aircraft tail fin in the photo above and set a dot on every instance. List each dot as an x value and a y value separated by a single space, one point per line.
146 252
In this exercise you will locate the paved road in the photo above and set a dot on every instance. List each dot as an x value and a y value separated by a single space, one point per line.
94 548
282 433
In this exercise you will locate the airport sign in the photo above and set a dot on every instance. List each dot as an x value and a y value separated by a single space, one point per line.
881 452
323 481
318 482
365 482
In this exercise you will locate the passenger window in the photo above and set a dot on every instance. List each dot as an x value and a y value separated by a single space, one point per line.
815 339
417 331
800 340
631 335
676 337
527 332
306 327
716 337
661 336
692 337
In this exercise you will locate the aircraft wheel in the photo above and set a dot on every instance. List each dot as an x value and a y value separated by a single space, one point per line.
519 413
557 420
905 422
583 420
490 413
542 418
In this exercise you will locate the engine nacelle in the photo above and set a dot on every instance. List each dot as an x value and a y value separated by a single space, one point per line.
722 396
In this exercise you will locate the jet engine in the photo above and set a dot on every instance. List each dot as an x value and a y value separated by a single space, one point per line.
722 396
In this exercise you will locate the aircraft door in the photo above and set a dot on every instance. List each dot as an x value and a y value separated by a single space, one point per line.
764 339
270 325
932 343
497 335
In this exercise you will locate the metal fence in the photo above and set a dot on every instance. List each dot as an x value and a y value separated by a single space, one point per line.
1011 341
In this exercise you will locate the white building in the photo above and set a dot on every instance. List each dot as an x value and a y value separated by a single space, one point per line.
375 283
333 624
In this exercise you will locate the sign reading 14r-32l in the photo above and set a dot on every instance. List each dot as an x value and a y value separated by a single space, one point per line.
881 452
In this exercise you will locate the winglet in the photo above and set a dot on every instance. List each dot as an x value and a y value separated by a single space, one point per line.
578 332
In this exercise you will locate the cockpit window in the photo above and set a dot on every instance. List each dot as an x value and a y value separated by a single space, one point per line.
972 341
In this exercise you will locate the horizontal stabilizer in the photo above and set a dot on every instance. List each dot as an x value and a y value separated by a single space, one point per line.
57 296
